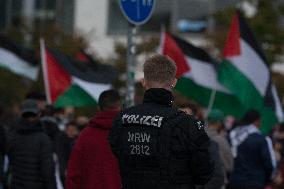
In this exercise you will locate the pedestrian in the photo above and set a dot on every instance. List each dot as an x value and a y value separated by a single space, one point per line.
157 145
254 160
49 124
30 152
92 164
218 177
215 122
64 146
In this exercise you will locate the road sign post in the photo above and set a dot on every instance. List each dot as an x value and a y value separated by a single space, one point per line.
137 12
131 50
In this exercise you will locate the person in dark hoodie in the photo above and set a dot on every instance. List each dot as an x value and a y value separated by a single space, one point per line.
92 164
254 159
30 152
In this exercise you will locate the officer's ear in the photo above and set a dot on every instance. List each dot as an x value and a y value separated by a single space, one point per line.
174 83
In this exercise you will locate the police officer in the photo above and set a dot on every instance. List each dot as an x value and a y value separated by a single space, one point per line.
158 146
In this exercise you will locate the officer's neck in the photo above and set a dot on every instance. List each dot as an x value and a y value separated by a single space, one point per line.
158 95
168 89
158 85
155 84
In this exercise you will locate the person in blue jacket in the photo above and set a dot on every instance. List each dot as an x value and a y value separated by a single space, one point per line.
254 159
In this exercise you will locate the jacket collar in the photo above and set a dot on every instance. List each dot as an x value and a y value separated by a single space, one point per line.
158 96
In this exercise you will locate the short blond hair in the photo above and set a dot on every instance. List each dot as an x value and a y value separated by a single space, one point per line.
159 69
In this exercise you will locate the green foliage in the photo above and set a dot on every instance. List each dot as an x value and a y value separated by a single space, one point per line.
120 62
265 25
278 80
223 18
55 37
13 88
148 45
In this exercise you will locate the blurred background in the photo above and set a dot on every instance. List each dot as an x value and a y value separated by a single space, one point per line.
99 28
83 51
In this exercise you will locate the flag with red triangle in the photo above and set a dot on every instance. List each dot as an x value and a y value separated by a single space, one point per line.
70 82
246 74
197 75
85 56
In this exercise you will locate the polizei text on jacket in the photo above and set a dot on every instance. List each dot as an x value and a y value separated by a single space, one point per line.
154 121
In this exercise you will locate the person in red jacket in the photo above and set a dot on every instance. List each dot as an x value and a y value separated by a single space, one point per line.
92 164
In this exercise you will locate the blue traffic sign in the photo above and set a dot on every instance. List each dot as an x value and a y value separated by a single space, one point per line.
137 11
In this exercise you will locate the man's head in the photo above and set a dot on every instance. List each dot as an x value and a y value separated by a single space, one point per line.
251 117
109 100
215 118
82 122
72 129
30 110
159 72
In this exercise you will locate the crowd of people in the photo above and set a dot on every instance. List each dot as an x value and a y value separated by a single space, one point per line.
151 145
246 158
36 143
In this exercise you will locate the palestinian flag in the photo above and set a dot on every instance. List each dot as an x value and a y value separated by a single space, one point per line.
84 56
18 59
246 74
197 75
70 82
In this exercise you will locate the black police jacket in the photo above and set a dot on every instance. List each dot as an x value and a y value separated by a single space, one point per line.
160 147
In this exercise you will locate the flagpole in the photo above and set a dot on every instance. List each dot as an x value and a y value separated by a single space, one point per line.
211 101
44 70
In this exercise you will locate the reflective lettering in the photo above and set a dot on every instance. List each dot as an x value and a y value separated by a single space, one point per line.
145 137
141 119
130 137
146 119
155 121
137 137
132 149
124 116
130 118
160 121
135 119
146 148
139 149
